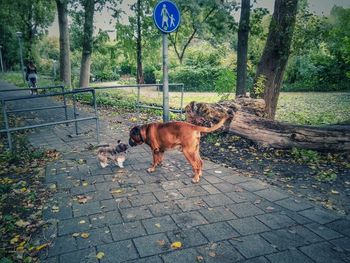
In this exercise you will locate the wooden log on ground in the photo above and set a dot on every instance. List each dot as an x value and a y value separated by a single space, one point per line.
248 121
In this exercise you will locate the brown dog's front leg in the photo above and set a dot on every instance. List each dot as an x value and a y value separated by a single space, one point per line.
157 159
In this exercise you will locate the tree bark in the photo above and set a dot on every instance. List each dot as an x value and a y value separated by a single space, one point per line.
248 120
89 8
242 48
274 59
65 65
140 77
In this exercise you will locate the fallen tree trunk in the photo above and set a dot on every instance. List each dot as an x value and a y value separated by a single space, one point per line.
248 121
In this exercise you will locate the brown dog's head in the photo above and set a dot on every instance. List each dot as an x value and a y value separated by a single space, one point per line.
136 136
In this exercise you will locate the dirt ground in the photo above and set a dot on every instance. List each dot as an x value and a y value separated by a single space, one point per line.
323 178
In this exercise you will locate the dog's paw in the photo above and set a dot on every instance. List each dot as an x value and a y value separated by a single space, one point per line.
151 169
195 180
103 165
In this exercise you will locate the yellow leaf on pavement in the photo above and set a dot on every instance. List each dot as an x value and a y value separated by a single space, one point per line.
21 223
176 245
100 255
14 240
41 247
85 235
334 192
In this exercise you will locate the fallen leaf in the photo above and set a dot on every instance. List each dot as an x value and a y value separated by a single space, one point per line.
82 199
199 259
270 208
85 183
100 255
257 201
84 235
14 240
75 234
334 192
161 242
21 223
218 172
55 209
176 245
157 225
116 191
41 247
82 222
212 254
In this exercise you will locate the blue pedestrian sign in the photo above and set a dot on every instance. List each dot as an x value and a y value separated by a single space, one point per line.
166 16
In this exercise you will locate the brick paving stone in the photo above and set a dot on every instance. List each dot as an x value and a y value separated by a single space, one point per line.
267 206
271 195
218 231
105 219
127 230
86 209
159 224
184 255
257 260
217 214
306 234
253 185
147 188
118 252
82 190
276 220
135 213
73 225
191 204
242 196
189 237
343 243
323 253
164 196
152 259
49 260
253 246
289 256
235 178
294 204
211 189
144 199
323 231
296 217
217 200
212 179
248 226
342 226
65 212
80 256
152 244
193 191
189 219
162 209
169 185
222 252
96 237
62 245
245 209
100 195
283 239
319 216
115 203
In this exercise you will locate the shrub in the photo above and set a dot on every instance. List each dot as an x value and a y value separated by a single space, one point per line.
149 75
226 83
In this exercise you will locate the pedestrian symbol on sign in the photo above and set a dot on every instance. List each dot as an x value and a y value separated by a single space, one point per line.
166 16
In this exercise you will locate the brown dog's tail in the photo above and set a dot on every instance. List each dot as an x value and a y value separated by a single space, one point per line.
213 128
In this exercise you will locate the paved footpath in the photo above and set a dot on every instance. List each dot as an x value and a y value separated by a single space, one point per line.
132 216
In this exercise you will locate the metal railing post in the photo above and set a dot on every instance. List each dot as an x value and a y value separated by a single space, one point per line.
75 114
96 114
182 100
9 140
65 104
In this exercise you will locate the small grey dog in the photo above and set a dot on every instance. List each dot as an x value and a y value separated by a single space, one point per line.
112 153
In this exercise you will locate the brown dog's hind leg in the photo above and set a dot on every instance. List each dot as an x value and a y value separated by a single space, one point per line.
196 163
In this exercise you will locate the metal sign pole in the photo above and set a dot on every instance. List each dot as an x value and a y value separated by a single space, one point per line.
165 79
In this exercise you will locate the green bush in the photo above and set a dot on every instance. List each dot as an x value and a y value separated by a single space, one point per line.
195 79
226 83
149 75
106 74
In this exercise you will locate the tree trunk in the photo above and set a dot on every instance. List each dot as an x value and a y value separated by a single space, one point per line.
89 8
249 122
65 66
242 48
140 78
274 59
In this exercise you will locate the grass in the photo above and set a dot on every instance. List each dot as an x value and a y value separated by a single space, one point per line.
306 108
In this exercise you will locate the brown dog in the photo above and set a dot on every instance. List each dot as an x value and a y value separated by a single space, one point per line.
164 136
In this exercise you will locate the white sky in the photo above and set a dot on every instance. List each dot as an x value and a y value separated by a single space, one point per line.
102 19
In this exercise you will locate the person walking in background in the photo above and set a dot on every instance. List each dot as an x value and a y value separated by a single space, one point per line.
31 77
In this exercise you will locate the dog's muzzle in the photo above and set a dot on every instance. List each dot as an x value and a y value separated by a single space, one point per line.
132 143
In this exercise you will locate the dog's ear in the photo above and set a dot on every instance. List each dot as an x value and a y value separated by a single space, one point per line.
118 141
135 131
